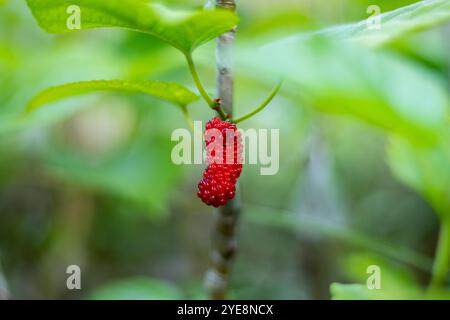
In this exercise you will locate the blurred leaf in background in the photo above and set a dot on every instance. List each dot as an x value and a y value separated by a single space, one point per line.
137 289
395 281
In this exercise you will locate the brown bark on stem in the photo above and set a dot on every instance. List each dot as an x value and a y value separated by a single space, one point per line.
226 218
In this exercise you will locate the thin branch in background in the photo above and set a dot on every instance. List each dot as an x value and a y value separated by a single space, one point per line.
224 241
4 291
441 264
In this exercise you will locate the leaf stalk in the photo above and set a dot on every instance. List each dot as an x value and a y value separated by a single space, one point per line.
261 107
213 104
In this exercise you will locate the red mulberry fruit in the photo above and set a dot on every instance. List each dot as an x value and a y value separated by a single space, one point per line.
224 159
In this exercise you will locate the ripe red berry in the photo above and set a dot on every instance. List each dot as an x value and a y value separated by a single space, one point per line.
219 179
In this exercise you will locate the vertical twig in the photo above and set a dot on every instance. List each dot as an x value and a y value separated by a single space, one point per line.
224 241
4 293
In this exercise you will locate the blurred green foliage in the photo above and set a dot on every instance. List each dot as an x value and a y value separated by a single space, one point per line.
89 180
137 289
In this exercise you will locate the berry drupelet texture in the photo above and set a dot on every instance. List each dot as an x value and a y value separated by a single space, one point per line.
224 159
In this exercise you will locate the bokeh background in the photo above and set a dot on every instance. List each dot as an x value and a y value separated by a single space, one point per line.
89 180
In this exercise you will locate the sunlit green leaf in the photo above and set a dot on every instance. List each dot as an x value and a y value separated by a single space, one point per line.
182 29
341 291
172 92
376 278
418 16
355 291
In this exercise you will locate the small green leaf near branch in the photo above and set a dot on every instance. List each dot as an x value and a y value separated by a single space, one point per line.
168 91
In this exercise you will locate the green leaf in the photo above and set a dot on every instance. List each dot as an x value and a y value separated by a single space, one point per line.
425 169
344 78
355 291
393 24
396 282
172 92
185 30
394 277
139 288
377 87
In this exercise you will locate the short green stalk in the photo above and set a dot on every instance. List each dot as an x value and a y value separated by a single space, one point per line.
262 106
213 104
